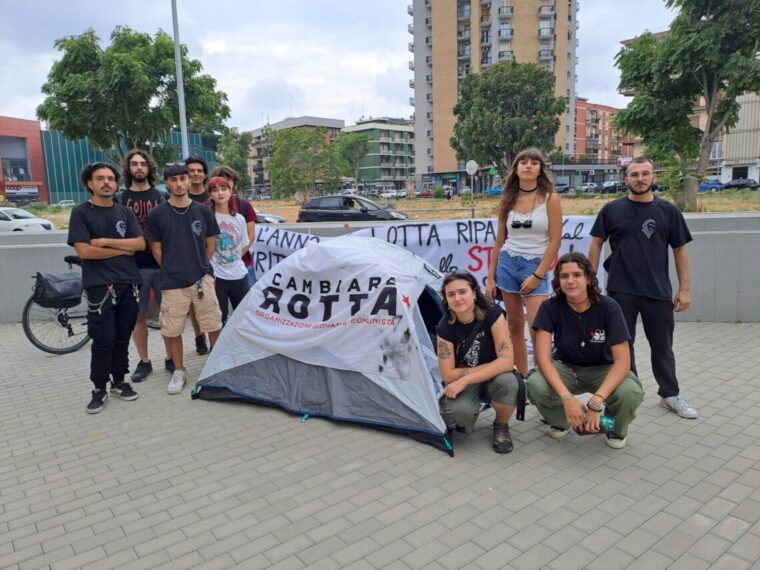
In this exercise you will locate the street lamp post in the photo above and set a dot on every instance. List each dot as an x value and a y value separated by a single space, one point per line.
180 84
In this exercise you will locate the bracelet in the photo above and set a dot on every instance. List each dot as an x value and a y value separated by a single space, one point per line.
592 408
598 395
566 397
537 277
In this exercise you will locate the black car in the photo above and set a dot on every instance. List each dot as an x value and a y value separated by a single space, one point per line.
338 208
741 183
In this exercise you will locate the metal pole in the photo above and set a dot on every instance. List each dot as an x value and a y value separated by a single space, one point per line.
180 84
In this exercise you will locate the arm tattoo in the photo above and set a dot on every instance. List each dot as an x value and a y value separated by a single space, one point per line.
504 345
463 372
443 350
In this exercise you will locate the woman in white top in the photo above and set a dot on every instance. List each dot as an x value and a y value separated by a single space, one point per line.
527 241
227 261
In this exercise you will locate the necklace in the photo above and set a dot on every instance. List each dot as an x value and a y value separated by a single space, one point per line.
187 209
528 191
468 322
579 319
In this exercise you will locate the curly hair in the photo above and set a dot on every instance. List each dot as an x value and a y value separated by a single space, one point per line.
152 168
86 175
594 293
481 303
512 183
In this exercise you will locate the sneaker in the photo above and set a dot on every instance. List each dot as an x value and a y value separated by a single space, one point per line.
615 441
177 382
558 432
124 391
502 441
678 405
142 371
98 402
200 345
169 364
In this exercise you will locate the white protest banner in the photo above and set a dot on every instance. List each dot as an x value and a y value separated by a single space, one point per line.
273 244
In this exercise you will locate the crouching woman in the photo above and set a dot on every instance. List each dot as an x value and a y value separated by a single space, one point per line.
475 359
591 355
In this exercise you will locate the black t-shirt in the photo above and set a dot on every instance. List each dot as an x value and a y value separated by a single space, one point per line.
182 233
88 222
583 339
482 349
141 203
199 197
639 260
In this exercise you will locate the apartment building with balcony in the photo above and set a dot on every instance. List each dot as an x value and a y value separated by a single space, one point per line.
261 145
452 38
595 137
389 163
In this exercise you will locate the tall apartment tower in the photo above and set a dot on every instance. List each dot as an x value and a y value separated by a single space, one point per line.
455 37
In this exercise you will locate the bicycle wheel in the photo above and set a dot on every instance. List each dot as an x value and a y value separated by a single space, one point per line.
57 331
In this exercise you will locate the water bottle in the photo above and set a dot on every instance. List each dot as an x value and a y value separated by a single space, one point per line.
606 423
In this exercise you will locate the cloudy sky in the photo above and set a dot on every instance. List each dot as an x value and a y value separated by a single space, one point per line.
331 58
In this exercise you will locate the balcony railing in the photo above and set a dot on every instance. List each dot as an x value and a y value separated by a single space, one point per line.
411 65
506 56
463 35
546 33
411 46
410 10
505 34
428 22
429 78
411 83
506 11
463 15
545 55
546 11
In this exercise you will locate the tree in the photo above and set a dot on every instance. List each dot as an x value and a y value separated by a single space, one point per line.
125 95
503 110
301 158
708 59
233 150
352 148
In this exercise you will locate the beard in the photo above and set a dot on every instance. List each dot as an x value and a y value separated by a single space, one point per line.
139 177
640 192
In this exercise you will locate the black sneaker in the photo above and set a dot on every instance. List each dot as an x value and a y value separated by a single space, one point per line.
142 371
200 344
124 391
98 402
502 441
169 365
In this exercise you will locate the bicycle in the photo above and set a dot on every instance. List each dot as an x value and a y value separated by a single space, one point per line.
57 329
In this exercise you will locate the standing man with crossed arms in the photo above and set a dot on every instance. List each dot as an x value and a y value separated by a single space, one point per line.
641 228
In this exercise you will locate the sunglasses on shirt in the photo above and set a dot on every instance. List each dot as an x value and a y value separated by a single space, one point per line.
517 224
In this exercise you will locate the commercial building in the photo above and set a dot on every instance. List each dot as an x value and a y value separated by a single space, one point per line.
22 176
455 37
261 145
389 163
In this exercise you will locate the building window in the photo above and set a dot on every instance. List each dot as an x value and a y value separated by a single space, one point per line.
16 170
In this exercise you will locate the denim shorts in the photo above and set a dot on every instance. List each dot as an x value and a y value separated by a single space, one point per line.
512 270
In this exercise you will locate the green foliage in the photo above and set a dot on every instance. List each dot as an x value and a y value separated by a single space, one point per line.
352 148
125 95
503 110
709 58
301 157
439 192
233 150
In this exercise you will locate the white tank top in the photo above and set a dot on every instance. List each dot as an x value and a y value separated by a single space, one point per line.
531 242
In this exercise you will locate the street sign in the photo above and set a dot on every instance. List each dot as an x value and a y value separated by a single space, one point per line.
471 167
591 172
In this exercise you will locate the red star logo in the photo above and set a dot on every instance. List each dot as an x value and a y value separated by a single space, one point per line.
405 300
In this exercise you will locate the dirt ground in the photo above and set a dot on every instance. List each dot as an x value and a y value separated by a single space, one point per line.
457 209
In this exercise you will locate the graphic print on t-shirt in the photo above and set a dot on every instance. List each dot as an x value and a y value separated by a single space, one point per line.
197 227
226 242
473 353
648 228
599 336
121 228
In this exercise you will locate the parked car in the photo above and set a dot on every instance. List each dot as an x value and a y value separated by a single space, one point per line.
657 187
400 193
266 218
338 208
66 204
496 191
424 194
589 187
711 185
612 186
349 191
741 183
388 194
18 220
562 188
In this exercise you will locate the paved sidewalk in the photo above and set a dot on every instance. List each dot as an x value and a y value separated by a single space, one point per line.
169 482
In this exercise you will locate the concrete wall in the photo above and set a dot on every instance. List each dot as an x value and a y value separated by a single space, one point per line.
724 261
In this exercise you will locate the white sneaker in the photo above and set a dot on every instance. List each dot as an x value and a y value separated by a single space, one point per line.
558 433
614 441
179 377
678 405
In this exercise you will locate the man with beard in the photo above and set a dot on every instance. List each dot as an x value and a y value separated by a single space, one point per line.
641 228
141 197
198 171
182 236
106 236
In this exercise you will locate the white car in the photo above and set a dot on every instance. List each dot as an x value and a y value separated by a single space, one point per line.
66 204
388 194
18 220
589 187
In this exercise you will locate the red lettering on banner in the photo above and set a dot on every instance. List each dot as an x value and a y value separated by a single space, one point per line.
479 254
